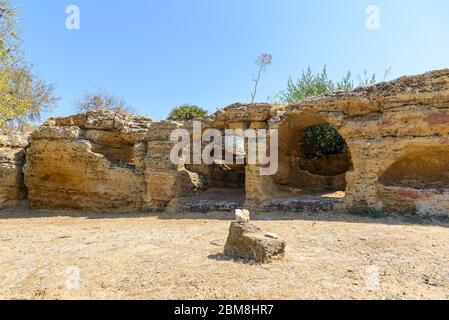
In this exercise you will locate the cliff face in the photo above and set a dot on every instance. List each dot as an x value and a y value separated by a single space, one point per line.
87 162
398 159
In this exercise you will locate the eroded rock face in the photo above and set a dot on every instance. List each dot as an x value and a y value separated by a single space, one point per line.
165 180
397 129
242 216
397 133
88 162
12 159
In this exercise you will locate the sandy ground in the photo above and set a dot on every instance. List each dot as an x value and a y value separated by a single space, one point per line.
70 256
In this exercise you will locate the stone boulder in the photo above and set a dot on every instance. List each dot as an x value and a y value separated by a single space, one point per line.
248 241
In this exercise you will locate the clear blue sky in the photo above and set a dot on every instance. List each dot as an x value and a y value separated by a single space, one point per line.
160 53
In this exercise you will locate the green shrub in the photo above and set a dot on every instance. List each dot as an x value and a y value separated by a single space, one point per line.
323 140
187 113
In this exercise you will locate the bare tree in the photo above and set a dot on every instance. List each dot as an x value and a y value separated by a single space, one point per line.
100 99
262 63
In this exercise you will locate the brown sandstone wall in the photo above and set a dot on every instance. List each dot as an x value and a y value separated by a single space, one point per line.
87 162
102 161
381 124
12 159
165 181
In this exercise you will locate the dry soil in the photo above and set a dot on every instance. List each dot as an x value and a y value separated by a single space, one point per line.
47 255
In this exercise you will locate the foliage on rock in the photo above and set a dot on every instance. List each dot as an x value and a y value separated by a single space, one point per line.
323 139
187 113
99 99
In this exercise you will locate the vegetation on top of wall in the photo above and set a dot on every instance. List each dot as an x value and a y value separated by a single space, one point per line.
311 85
322 139
99 99
23 96
187 113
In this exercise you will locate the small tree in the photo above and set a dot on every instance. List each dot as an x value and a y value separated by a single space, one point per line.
262 62
311 85
102 100
23 96
187 113
323 139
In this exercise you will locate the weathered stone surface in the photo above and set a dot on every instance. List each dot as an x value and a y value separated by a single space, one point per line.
88 162
194 205
163 186
391 128
243 116
258 125
12 159
248 112
397 133
248 242
242 216
165 180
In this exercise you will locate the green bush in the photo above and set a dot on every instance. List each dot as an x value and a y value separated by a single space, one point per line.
187 113
322 140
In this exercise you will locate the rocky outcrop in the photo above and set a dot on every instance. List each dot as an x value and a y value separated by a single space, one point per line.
390 128
397 134
12 159
104 161
88 162
383 124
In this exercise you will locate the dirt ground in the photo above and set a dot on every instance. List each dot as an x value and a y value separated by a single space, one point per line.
104 256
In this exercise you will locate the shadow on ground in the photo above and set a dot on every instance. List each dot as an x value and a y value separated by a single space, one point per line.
227 216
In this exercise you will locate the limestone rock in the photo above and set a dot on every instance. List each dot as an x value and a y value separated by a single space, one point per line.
88 162
242 216
247 241
397 135
271 235
12 159
166 181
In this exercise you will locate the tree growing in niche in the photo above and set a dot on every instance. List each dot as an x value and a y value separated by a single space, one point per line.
323 139
262 62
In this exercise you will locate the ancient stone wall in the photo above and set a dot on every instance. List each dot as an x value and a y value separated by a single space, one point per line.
397 133
165 181
383 124
87 162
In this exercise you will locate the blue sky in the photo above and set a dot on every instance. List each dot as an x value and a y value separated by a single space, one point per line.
160 53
